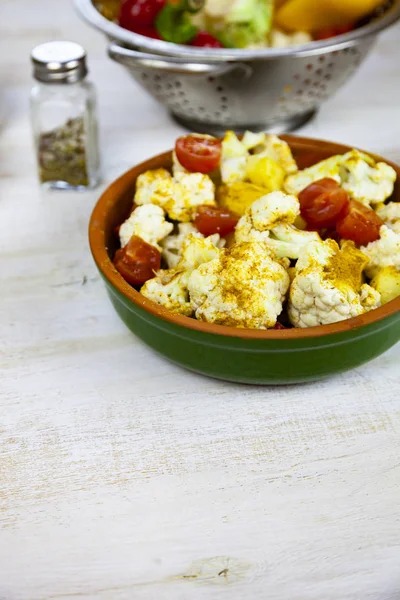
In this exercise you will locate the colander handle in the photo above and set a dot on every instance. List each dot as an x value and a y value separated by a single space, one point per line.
136 59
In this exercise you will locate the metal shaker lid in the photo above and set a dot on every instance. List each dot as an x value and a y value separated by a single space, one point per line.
59 62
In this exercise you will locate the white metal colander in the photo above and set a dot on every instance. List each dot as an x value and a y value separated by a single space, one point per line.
210 90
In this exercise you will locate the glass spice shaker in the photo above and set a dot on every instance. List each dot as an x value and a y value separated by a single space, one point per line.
63 111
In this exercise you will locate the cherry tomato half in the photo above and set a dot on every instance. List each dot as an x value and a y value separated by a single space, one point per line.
137 261
136 14
323 203
210 219
205 40
360 224
198 153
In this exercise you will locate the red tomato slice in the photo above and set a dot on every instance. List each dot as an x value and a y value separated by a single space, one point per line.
361 224
197 153
137 261
323 203
210 219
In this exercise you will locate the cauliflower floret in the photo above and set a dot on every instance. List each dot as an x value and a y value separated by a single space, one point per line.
269 220
265 213
390 215
237 164
273 209
176 165
297 182
287 241
360 175
327 287
178 196
190 190
370 297
272 147
242 287
196 251
252 140
385 252
170 287
172 244
366 180
387 283
148 223
154 187
233 161
279 151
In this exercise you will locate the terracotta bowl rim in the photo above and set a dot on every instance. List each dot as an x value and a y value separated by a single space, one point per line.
98 248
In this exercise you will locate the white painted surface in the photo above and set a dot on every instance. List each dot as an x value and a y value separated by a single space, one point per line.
124 477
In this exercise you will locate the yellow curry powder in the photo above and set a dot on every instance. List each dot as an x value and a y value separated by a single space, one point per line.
234 263
346 266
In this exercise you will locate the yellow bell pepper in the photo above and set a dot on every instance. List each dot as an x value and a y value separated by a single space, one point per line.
265 172
238 196
312 15
387 282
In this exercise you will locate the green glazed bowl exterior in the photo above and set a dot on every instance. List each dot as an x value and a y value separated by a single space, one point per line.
273 361
247 356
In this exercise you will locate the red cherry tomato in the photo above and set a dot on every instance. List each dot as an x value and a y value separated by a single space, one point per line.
137 261
323 203
360 224
139 13
205 40
210 219
197 153
312 228
330 32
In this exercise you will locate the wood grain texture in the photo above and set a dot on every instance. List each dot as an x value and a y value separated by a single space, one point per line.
124 477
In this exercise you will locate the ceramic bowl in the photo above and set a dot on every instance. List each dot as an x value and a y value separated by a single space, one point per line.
240 355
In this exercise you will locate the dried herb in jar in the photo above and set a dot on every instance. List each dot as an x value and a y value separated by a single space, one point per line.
67 155
62 154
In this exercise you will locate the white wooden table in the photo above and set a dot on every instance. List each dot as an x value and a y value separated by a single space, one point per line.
124 477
